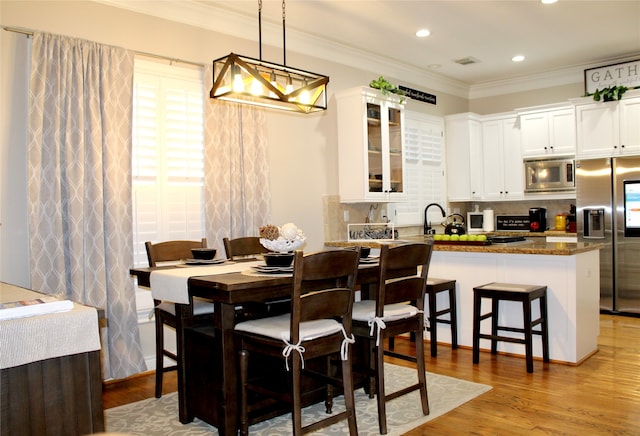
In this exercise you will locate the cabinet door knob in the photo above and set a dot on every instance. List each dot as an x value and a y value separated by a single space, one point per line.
622 146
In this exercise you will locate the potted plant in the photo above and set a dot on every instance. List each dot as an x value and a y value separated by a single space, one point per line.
611 93
386 88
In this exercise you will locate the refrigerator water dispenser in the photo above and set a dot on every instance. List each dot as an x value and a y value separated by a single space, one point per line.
594 223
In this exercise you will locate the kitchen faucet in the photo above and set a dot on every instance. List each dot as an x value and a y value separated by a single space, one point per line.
427 226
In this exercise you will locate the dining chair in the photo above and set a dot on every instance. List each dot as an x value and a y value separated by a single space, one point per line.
318 325
165 312
243 246
402 281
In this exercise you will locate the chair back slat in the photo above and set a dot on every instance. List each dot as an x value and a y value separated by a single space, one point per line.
406 289
171 250
328 303
243 246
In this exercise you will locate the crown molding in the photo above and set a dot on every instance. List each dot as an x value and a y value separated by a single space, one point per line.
237 25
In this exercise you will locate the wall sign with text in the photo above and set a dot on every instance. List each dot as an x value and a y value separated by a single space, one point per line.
623 74
414 94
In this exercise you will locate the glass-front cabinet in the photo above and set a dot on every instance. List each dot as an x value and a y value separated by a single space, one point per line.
371 145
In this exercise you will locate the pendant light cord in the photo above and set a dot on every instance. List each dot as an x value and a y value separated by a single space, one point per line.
284 39
260 27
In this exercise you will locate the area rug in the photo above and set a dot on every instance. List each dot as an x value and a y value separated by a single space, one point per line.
160 416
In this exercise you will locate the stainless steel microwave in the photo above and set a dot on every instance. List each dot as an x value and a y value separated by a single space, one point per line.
549 175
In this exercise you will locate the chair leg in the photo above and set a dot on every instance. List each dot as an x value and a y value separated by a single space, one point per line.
349 401
545 329
296 407
371 363
453 317
528 334
477 301
422 378
159 354
495 313
328 401
379 371
433 324
244 408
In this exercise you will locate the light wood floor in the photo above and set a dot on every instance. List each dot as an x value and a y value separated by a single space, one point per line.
601 396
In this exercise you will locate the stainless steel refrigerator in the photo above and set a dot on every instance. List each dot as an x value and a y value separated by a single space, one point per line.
608 211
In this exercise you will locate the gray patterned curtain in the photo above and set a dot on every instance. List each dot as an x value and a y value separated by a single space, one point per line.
79 159
237 192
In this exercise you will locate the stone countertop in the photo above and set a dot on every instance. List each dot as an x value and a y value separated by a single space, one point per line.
530 246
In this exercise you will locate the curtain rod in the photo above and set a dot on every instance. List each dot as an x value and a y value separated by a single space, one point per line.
141 53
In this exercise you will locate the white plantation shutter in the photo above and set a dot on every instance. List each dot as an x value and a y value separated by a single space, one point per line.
168 154
424 169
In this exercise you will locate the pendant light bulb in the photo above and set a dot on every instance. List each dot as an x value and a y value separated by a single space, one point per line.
305 97
289 88
274 83
238 84
256 87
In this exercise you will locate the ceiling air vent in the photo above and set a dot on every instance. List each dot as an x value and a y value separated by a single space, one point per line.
467 61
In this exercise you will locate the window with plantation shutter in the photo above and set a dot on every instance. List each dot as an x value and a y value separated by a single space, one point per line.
168 154
424 169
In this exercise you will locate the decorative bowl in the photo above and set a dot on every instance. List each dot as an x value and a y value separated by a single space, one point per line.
203 253
278 259
282 245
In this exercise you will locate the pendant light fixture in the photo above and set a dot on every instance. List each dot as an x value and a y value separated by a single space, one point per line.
242 79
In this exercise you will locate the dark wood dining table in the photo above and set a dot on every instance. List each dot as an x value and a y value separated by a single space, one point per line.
230 293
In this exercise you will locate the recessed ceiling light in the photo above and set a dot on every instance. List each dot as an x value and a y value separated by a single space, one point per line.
517 58
423 33
548 2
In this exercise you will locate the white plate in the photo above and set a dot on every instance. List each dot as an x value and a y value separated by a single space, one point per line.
204 262
273 269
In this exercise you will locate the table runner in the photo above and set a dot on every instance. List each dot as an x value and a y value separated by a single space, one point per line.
35 338
172 284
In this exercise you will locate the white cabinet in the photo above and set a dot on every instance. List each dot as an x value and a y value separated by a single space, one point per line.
630 125
503 173
463 136
547 132
370 146
606 129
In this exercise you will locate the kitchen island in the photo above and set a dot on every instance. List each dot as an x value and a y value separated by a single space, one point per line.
569 270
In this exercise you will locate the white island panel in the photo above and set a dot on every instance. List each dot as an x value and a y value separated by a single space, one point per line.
573 294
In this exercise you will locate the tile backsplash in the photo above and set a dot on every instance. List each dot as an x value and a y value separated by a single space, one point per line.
338 215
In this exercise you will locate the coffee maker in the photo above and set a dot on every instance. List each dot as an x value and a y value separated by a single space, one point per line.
537 219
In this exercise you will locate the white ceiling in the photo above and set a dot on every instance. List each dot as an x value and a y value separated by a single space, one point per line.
567 36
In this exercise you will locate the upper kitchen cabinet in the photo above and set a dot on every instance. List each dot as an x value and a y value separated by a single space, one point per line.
371 146
502 164
548 131
607 129
463 136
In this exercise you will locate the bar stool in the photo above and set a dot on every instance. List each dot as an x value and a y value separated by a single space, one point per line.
511 292
434 286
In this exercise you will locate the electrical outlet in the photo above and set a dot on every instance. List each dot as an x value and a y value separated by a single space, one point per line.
346 216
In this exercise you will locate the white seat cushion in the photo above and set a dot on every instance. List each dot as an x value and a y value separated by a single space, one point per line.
277 327
200 307
366 310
